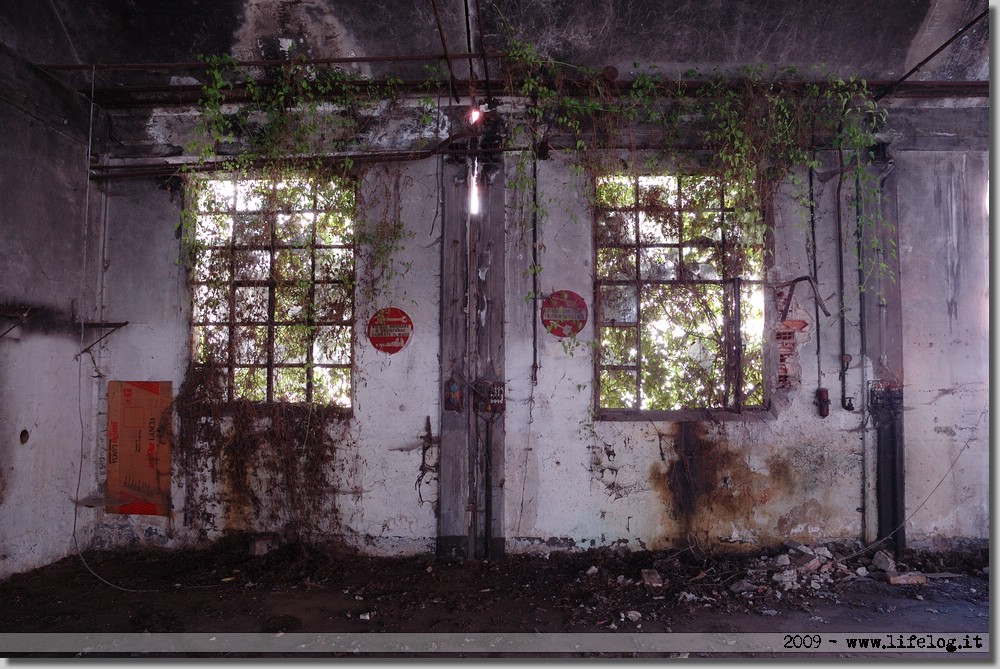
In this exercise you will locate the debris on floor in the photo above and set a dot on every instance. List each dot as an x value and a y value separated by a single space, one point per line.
294 587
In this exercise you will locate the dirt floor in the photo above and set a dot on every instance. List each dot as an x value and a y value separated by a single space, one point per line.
828 589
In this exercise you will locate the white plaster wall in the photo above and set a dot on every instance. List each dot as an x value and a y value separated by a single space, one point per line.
48 264
944 256
572 480
374 502
144 283
396 393
47 393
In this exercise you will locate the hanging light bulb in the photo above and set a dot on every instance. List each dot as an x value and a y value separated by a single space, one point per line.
474 188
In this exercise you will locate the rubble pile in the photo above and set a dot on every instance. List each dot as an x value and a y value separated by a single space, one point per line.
792 574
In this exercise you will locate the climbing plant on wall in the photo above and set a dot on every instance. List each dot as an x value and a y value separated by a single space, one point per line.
742 135
272 234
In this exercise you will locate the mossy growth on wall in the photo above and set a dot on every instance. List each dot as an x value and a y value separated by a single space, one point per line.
752 130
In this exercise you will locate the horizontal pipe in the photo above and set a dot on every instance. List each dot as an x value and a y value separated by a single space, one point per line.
104 67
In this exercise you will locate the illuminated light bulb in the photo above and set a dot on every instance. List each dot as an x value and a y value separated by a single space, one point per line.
473 199
474 116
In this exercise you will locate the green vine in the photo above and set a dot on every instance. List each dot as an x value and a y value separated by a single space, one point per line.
753 130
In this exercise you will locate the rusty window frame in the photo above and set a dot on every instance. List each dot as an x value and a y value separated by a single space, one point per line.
734 402
270 247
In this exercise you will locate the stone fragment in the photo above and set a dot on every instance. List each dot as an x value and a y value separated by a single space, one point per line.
906 578
882 562
782 560
652 578
787 578
798 548
592 571
823 552
742 586
861 571
634 616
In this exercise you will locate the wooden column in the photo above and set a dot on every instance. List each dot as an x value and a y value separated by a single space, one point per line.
471 472
454 514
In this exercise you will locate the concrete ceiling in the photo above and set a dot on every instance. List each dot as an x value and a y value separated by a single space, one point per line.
879 40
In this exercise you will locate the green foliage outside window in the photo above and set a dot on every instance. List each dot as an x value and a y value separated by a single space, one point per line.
273 270
679 295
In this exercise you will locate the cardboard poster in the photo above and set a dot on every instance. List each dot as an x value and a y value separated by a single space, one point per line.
139 426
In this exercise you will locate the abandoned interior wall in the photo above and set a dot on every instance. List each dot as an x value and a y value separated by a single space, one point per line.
374 496
586 482
942 199
81 254
48 274
569 480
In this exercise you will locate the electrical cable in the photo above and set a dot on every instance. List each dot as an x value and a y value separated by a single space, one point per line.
79 380
954 462
79 386
941 48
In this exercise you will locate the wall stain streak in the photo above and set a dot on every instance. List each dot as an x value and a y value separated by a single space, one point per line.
710 490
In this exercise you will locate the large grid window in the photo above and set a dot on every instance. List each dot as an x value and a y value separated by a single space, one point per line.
680 300
273 287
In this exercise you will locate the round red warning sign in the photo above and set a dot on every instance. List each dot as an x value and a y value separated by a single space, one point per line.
564 313
389 330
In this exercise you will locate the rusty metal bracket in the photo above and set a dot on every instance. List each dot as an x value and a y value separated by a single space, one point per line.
114 328
24 317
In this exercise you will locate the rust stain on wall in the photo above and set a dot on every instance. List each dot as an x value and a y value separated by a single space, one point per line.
797 522
706 483
709 489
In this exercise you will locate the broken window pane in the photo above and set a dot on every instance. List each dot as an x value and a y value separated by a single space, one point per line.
332 345
211 304
250 383
615 263
618 389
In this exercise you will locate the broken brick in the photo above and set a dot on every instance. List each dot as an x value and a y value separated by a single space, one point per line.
806 563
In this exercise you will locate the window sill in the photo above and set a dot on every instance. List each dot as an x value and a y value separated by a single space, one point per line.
266 409
755 415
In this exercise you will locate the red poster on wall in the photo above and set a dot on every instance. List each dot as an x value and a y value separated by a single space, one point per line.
564 313
139 427
389 330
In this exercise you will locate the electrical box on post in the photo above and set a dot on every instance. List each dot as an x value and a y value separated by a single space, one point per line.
452 395
489 397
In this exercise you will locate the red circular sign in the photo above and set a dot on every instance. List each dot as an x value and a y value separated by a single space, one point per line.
389 330
564 313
